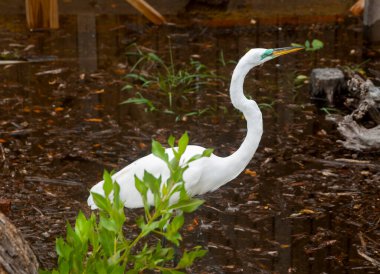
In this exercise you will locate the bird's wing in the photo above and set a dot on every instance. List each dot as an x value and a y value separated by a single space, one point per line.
155 166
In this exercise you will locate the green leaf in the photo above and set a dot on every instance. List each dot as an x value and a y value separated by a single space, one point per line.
296 45
207 152
187 205
106 239
182 143
171 141
82 227
307 44
109 224
159 151
127 87
154 58
317 44
300 80
108 183
147 228
189 257
177 222
141 187
100 201
63 250
118 269
64 267
171 271
152 182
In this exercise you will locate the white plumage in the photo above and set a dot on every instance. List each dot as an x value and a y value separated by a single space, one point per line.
208 173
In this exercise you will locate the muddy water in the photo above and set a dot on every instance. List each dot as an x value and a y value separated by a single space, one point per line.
61 124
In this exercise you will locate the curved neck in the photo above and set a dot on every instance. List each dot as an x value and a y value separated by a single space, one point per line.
236 162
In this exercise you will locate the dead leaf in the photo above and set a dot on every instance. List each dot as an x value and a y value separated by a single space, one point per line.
98 91
322 133
98 107
58 109
2 141
250 172
94 120
307 211
142 145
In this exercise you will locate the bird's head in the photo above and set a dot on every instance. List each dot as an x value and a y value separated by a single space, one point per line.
258 56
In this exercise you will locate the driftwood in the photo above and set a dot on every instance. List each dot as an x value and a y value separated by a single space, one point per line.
340 162
364 99
16 257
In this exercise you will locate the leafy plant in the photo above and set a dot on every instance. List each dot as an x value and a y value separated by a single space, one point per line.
99 245
300 80
330 110
314 45
167 87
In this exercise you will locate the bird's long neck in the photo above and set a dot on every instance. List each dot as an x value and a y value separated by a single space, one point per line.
236 162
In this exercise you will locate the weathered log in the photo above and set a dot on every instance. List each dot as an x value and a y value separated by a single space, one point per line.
327 83
369 98
358 137
16 257
364 99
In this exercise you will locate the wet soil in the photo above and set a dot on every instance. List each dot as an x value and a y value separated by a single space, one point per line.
304 205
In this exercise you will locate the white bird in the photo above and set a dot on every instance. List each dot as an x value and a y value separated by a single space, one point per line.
207 173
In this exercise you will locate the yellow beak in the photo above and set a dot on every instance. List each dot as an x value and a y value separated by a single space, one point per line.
282 51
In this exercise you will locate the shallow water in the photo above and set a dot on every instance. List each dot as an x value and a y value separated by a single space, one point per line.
295 216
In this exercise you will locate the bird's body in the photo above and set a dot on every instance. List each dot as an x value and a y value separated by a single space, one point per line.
207 173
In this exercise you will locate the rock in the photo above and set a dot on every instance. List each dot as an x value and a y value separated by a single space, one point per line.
327 83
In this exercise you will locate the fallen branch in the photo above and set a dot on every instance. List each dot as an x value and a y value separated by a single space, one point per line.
374 262
358 137
364 99
362 251
339 162
53 181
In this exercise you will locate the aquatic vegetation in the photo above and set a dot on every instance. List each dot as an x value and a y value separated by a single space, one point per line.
99 244
165 87
313 45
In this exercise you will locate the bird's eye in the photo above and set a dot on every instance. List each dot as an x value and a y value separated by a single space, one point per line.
266 54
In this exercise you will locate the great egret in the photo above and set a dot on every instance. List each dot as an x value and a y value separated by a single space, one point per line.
207 173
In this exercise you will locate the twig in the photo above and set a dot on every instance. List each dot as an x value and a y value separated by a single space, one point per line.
53 181
39 211
2 152
339 162
368 258
361 251
362 242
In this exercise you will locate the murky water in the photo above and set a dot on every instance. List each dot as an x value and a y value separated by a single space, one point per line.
295 216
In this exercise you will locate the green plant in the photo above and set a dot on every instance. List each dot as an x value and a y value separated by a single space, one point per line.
314 45
99 245
300 80
169 88
330 110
